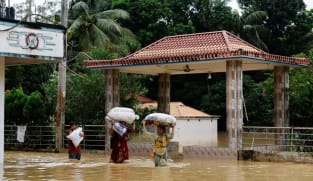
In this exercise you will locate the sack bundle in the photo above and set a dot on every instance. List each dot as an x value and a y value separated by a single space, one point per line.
76 137
122 114
160 119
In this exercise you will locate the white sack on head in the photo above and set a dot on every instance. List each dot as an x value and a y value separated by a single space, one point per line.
161 117
75 136
122 114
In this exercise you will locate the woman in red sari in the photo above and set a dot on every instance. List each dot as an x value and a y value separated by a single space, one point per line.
119 145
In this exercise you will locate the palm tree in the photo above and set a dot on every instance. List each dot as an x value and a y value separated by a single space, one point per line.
100 30
251 27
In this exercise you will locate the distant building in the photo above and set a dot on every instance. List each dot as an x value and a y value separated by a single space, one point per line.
193 127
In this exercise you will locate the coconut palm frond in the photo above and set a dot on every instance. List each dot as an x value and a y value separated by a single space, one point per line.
81 8
100 29
254 34
127 32
247 28
71 21
255 18
98 38
84 41
110 27
114 14
76 26
131 43
260 43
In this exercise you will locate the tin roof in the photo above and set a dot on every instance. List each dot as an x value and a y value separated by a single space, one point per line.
199 47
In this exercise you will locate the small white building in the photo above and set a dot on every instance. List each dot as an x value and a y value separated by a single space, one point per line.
193 127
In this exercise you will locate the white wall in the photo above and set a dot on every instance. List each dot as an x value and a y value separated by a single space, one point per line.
195 132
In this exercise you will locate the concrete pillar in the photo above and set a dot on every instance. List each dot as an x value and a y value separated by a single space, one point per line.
164 93
116 88
281 101
234 103
2 96
108 105
112 99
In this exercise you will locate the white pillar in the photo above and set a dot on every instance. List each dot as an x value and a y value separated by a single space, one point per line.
2 94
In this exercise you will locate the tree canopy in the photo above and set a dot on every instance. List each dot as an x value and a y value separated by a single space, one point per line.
104 29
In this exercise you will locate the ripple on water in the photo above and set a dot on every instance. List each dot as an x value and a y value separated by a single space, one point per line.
45 166
148 163
90 165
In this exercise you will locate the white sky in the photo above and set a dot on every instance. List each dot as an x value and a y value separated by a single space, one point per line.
233 3
309 4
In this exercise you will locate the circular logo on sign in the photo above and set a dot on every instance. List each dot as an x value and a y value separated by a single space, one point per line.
32 41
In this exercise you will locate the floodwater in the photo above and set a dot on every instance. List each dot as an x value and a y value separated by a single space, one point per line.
49 166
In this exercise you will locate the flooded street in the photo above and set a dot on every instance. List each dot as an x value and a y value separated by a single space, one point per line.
50 166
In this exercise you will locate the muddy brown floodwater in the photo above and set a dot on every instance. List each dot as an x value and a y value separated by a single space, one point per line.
25 166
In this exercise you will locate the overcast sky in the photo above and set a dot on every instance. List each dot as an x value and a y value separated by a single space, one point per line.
309 4
233 3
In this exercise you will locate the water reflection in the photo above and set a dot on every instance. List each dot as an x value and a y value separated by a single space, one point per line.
46 166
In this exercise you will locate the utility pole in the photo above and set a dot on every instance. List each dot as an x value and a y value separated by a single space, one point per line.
2 8
60 109
29 10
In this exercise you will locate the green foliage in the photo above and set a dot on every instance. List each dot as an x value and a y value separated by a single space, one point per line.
289 26
24 109
34 109
130 86
214 101
15 101
29 77
80 91
50 95
189 89
148 18
259 106
85 100
102 29
212 15
301 93
94 6
251 28
89 29
154 19
142 113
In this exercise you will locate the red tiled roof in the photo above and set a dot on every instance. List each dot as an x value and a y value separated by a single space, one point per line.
179 110
193 47
143 99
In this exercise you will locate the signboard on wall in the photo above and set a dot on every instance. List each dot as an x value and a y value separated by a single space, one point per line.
35 42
